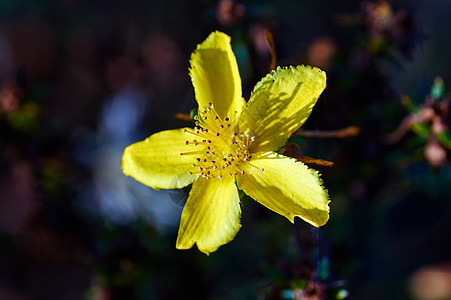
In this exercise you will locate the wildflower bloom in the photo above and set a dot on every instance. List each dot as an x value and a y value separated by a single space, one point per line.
232 146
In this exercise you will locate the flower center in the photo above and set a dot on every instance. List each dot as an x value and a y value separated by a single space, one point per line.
222 151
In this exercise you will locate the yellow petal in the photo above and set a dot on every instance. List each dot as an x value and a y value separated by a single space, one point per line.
157 162
211 216
215 76
285 186
280 103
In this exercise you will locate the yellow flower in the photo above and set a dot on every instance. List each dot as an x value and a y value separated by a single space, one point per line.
232 146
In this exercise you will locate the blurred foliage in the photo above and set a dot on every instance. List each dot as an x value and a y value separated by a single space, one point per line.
80 80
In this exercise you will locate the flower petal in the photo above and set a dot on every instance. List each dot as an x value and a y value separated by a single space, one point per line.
280 103
211 216
285 186
156 161
215 76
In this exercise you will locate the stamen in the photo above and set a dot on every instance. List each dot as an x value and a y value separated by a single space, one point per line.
224 148
191 152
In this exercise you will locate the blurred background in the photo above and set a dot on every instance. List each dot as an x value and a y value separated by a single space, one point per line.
80 80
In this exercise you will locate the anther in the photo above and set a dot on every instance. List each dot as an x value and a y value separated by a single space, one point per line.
217 133
219 176
226 119
261 169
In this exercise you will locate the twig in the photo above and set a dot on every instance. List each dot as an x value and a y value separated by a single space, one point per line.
349 131
183 116
314 161
272 49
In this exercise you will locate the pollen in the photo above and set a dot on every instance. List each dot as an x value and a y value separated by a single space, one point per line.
223 151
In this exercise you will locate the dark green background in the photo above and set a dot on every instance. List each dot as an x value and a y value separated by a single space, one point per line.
67 228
